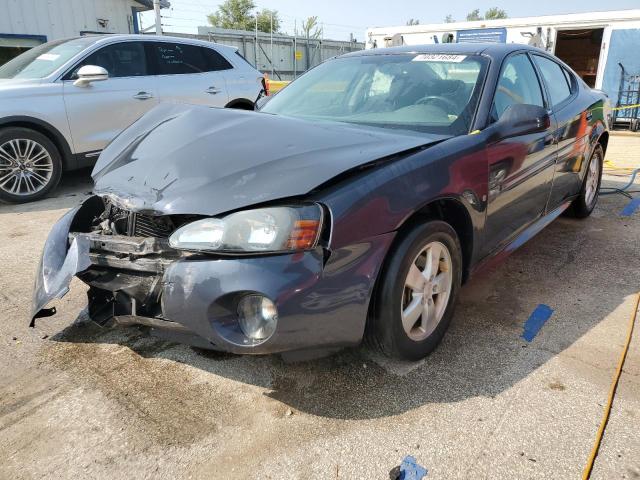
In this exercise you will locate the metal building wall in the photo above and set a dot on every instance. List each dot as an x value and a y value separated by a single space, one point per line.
64 18
283 62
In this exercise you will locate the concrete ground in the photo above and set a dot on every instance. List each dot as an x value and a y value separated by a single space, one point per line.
80 402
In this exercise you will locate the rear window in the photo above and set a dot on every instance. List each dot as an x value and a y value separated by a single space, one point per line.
180 59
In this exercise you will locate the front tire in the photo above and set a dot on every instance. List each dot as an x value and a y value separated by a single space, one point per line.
30 165
586 201
417 292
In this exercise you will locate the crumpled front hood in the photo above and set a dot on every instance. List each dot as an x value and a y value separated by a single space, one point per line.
184 159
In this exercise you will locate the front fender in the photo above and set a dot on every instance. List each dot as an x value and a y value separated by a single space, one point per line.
58 264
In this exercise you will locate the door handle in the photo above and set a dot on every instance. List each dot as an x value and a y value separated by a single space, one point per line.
212 90
143 96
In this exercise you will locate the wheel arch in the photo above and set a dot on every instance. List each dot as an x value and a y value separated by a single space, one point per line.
46 129
452 211
447 209
241 104
603 140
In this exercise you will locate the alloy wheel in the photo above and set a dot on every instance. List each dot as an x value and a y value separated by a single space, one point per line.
593 178
26 167
426 291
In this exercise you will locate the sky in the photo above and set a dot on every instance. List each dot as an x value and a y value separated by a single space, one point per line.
342 17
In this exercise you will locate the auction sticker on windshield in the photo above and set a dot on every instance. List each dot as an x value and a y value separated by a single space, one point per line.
48 56
438 57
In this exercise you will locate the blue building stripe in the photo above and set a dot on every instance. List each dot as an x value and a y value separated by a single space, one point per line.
536 320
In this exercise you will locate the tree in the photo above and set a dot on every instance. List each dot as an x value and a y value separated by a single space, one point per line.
236 15
449 19
495 13
413 21
264 20
310 28
474 15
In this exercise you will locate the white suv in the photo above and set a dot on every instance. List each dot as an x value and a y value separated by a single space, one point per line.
62 102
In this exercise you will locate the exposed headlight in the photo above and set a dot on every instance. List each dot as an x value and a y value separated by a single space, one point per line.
275 229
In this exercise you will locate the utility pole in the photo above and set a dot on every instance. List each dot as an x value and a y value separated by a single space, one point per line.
255 45
295 48
271 16
321 41
156 7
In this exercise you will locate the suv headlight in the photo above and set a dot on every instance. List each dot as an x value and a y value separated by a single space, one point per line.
274 229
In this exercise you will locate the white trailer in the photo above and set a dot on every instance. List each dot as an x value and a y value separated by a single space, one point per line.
594 44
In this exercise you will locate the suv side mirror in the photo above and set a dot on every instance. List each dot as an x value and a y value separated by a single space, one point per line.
522 119
90 73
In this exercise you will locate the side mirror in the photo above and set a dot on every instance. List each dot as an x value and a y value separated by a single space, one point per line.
90 73
522 119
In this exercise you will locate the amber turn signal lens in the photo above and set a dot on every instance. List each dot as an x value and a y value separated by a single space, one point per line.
304 234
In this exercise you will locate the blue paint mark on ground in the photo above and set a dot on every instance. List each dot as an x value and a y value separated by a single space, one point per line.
410 470
536 320
631 207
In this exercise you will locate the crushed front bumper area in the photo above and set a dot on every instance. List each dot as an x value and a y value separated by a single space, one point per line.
321 298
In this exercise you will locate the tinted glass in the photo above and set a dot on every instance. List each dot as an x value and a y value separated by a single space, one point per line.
45 59
555 79
434 92
215 61
179 58
518 83
126 59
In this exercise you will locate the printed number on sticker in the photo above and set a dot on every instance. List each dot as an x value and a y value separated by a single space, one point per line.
438 57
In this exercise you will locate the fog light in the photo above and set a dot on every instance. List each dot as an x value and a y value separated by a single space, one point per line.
257 316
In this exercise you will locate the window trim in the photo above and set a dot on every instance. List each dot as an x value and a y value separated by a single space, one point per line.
543 92
573 88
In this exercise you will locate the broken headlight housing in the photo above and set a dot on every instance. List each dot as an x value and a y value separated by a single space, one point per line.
272 230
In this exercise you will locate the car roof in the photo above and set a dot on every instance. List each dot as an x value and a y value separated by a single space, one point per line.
109 38
491 49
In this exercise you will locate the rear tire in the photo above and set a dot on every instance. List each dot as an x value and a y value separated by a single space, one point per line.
30 165
586 201
416 296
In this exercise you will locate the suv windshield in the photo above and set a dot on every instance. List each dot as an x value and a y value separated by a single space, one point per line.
433 92
45 59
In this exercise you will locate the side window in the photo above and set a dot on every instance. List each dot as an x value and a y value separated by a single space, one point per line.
555 78
215 61
126 59
179 58
518 83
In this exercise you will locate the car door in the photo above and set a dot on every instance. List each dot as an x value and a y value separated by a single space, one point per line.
520 168
101 110
189 73
572 128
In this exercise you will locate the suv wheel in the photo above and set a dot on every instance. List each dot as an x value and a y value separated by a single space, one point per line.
30 165
417 292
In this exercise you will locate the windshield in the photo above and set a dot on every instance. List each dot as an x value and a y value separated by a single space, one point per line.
45 59
435 93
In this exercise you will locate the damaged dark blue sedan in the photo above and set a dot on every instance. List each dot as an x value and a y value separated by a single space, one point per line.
353 204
